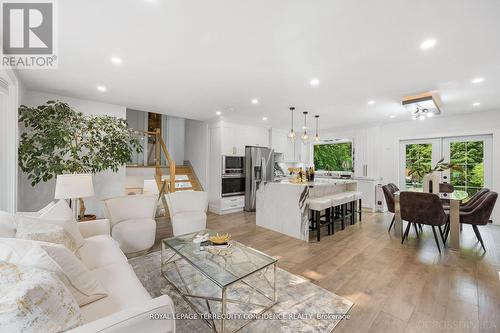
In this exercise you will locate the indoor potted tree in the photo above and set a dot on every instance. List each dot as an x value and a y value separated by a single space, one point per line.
57 140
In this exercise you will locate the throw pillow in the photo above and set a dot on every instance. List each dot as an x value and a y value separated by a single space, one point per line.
33 300
45 231
63 213
79 280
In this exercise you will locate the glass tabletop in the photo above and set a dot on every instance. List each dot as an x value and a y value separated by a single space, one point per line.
455 195
222 270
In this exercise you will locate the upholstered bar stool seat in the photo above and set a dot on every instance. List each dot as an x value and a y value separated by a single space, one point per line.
317 205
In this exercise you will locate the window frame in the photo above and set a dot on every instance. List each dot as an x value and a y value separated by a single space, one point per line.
334 142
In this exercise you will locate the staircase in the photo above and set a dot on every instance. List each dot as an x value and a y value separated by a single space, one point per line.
168 178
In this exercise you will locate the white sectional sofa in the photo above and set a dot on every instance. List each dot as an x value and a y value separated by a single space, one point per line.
128 306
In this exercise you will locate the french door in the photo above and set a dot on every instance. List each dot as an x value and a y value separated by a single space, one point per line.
471 154
425 152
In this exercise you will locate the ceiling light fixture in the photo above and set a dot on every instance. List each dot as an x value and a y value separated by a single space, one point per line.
422 106
255 101
316 137
218 113
264 118
116 60
392 117
477 80
476 104
428 44
314 82
305 137
371 102
292 134
101 88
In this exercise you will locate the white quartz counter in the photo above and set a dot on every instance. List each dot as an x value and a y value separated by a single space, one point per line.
282 205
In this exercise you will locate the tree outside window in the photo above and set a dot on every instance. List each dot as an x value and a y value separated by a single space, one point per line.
333 156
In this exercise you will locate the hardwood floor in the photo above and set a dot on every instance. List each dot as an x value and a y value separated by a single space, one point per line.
394 287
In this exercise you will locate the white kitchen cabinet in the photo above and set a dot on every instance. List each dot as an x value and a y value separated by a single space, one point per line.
236 137
302 152
278 140
367 186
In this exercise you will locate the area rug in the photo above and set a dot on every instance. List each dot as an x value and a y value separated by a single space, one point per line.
311 308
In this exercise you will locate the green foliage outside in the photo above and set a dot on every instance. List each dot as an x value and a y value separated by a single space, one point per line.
56 140
467 171
333 157
469 156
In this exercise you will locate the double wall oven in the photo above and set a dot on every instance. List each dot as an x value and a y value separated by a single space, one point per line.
233 175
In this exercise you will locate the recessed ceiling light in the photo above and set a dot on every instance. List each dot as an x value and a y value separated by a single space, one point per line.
314 82
427 44
218 113
478 80
371 102
116 60
101 88
392 117
476 104
264 118
255 101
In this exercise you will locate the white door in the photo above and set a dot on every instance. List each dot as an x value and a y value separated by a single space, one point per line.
413 153
473 157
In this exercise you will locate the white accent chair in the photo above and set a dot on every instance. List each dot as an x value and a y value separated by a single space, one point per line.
132 221
188 211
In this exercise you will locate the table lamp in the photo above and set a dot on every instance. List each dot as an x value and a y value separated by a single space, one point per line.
74 187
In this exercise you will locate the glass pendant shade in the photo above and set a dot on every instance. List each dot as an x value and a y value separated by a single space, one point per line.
316 137
305 136
292 134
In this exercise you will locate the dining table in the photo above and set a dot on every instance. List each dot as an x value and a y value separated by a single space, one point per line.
456 198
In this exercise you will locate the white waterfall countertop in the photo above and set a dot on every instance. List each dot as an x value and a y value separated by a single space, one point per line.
282 205
317 182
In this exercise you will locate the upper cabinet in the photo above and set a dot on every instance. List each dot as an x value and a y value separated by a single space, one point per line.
236 137
292 152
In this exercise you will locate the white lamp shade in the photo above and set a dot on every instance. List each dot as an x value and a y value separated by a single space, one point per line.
71 186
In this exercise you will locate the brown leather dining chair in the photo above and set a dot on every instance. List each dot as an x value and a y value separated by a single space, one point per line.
389 191
479 215
466 207
423 208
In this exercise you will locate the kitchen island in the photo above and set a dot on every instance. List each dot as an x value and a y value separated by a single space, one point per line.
282 205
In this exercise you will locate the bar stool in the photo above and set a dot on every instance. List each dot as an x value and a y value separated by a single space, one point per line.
356 204
340 211
317 205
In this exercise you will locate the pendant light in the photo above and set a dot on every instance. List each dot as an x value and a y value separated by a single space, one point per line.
305 137
316 138
292 134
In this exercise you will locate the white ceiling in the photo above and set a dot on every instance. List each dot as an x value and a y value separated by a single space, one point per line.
190 58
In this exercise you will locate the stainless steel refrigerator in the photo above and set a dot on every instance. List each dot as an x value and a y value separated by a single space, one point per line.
259 168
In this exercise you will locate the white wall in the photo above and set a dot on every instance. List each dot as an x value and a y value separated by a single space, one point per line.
379 145
175 138
10 90
106 184
196 149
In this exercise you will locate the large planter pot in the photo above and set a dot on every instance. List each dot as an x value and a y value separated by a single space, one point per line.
431 182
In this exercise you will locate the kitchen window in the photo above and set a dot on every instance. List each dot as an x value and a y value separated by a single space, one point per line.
336 156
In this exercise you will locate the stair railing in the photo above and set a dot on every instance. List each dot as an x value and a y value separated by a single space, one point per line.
159 148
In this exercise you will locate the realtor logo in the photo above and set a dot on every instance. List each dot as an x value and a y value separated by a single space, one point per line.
28 34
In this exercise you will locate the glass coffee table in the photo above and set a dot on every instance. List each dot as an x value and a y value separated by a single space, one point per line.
226 291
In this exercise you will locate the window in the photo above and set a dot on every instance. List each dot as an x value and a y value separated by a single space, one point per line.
469 157
333 156
416 153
